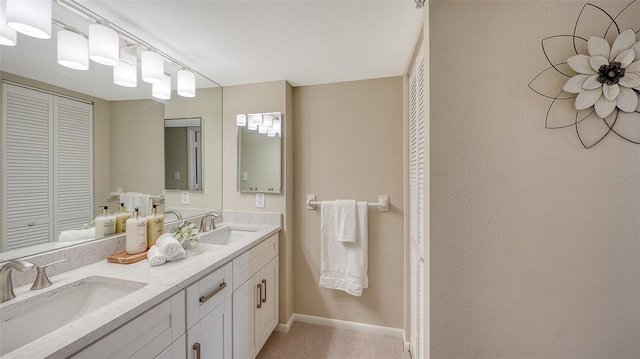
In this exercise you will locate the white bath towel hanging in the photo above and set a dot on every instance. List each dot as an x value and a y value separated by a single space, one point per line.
346 220
343 265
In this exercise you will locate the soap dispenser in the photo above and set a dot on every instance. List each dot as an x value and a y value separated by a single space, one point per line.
155 226
136 228
105 223
121 218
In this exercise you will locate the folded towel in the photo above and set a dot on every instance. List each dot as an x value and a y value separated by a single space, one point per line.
170 248
345 220
154 257
77 235
137 200
343 265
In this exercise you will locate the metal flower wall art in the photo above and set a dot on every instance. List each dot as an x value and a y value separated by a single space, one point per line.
594 75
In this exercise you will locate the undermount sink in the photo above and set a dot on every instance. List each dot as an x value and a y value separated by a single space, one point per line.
226 235
25 321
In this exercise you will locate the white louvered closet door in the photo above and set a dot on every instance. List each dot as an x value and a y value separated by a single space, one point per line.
73 190
47 166
27 137
417 206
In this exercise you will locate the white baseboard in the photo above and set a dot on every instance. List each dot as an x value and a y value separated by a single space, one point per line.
343 324
284 328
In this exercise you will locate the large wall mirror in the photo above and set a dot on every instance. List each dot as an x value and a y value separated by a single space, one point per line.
183 154
128 133
259 152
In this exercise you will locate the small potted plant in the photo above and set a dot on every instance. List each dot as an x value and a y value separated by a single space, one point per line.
186 234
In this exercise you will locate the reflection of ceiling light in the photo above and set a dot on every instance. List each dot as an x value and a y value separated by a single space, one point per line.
104 45
186 85
73 50
152 67
32 17
125 73
241 120
162 91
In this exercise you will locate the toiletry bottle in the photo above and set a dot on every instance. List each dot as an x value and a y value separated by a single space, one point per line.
105 223
155 226
121 218
136 233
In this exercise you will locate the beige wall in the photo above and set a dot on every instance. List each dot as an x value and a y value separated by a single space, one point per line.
137 162
206 105
349 144
534 243
263 97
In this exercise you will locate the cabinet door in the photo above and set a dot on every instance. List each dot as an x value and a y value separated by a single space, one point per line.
210 338
177 350
245 301
268 314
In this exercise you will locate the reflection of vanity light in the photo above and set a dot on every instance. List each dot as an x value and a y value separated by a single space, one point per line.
152 67
241 120
186 83
162 91
267 120
104 45
125 73
73 50
252 126
271 133
262 129
8 36
32 18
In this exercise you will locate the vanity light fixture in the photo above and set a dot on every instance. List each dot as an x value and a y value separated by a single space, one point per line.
8 36
186 84
104 45
152 67
254 120
32 17
241 120
162 91
125 73
73 50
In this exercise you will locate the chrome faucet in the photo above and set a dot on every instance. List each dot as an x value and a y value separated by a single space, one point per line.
6 283
203 223
176 213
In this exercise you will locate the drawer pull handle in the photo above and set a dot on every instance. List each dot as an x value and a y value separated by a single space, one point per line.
264 299
205 298
259 296
196 348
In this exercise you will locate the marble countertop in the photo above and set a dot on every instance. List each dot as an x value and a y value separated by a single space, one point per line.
162 282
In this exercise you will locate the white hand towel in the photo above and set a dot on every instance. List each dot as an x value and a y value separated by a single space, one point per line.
344 265
170 248
129 200
346 228
154 256
77 235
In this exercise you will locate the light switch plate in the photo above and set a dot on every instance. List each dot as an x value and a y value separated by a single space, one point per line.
176 176
259 200
244 176
184 197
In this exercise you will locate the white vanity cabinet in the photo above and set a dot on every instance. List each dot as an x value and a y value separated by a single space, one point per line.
255 298
209 316
157 332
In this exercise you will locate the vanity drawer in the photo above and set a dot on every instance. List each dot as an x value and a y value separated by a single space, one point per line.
250 262
206 294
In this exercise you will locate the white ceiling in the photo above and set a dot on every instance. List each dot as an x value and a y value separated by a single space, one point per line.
240 42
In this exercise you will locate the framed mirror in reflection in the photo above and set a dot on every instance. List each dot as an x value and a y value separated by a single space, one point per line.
259 152
183 154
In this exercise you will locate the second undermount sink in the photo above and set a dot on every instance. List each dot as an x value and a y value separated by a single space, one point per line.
23 322
226 235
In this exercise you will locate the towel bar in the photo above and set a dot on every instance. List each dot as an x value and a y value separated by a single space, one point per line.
382 204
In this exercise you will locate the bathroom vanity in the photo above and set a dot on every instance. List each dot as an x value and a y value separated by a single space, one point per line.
221 301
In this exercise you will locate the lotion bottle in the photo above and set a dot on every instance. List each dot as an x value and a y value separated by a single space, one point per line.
105 223
121 218
155 226
136 228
